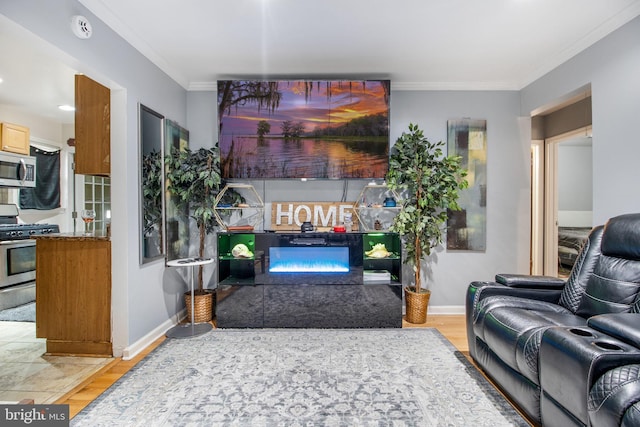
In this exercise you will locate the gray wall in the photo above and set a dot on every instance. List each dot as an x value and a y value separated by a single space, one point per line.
450 272
612 66
143 297
146 297
507 192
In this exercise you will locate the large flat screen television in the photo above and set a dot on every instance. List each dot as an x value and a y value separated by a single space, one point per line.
331 129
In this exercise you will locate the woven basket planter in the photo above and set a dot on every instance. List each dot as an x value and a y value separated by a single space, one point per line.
416 304
202 306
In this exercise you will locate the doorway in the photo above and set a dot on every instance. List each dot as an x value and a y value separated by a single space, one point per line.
561 200
561 182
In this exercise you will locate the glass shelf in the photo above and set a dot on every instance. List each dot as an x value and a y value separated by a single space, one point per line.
238 207
229 257
370 207
371 258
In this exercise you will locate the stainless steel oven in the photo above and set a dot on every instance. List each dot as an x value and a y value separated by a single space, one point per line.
18 257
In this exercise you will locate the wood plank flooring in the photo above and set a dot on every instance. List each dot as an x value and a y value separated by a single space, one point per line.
451 326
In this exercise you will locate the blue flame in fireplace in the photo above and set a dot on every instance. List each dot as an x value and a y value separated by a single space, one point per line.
309 260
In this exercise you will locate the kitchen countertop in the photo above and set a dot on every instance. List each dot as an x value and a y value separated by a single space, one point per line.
72 236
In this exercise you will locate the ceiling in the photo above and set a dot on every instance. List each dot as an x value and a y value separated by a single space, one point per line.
417 44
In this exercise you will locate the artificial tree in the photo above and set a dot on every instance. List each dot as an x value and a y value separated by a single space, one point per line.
428 183
194 178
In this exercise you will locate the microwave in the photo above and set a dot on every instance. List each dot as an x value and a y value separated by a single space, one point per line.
17 170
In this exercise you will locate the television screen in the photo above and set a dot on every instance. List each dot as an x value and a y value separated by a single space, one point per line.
332 129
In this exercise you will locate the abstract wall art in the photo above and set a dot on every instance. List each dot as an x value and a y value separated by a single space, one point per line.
467 228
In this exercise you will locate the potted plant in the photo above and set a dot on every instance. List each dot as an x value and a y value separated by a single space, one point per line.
194 177
428 183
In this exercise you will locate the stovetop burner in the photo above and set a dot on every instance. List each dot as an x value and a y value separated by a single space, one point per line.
10 229
25 231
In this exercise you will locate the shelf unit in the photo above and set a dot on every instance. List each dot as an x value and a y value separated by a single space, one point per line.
391 263
369 207
251 295
247 214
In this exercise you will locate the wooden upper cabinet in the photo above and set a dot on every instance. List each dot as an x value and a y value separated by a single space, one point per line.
15 138
93 127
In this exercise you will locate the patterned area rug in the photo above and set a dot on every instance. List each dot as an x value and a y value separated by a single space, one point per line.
22 313
303 377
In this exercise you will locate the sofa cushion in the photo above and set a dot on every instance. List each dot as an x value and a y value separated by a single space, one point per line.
502 301
514 335
613 394
582 270
612 288
621 326
529 281
631 416
621 238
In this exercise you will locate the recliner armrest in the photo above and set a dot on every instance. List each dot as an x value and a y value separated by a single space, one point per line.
527 281
622 326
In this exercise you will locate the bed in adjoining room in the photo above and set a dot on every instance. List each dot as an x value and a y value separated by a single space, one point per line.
570 241
573 230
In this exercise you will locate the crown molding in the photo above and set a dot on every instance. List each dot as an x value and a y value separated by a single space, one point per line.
100 8
590 39
402 86
203 86
426 86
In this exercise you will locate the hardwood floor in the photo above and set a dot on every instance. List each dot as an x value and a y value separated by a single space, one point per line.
451 326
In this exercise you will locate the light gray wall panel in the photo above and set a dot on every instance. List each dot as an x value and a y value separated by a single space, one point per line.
450 272
143 296
612 67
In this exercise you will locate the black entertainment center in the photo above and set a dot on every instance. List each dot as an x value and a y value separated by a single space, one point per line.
309 280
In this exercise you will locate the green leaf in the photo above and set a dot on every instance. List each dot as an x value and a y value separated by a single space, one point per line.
430 182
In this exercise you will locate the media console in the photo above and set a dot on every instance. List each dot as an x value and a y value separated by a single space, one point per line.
309 280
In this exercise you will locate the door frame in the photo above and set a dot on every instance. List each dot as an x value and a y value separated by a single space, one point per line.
544 201
537 207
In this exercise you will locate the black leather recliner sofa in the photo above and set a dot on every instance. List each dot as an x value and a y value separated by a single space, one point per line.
567 353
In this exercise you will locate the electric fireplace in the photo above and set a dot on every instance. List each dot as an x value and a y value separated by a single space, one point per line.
315 259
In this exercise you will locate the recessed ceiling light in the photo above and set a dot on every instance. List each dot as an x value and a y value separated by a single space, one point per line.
67 107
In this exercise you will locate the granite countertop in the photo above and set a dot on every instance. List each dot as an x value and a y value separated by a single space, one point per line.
73 236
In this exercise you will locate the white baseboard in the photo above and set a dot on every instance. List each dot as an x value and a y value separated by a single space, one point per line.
132 351
446 309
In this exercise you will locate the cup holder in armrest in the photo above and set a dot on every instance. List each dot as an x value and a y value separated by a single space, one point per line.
607 346
581 332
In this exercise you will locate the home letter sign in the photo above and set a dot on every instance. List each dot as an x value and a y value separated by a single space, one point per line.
289 216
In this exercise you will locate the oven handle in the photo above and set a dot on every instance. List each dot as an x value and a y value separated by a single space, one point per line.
25 242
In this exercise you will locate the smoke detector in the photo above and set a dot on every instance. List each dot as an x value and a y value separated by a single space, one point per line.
81 27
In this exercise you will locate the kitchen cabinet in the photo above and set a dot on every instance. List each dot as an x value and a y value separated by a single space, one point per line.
92 127
73 294
15 138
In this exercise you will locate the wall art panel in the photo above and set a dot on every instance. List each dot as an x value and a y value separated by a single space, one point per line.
467 228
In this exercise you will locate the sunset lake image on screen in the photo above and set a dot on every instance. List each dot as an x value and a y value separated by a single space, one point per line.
331 129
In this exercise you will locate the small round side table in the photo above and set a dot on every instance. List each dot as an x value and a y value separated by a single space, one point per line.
191 329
